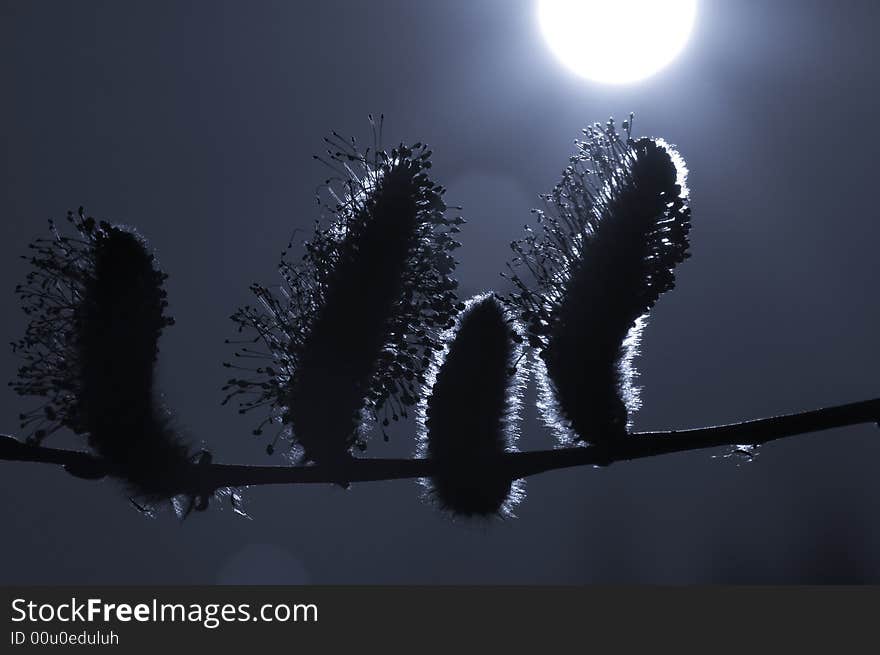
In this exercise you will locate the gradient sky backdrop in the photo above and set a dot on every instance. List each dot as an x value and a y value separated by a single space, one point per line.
197 121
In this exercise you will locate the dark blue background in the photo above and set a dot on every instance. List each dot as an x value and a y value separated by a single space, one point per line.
196 122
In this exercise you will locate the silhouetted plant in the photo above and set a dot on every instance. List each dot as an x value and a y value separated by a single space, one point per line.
97 309
615 229
350 335
470 417
367 325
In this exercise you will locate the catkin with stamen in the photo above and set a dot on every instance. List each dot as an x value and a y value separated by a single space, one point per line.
347 338
615 228
97 307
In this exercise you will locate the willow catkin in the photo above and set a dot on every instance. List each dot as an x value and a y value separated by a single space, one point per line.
97 309
349 336
615 229
470 417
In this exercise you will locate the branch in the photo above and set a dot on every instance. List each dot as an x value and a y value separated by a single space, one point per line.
204 479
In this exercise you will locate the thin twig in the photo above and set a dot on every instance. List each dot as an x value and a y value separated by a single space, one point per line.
201 479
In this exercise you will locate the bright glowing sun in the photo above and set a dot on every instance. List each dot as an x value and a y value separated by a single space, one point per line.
616 42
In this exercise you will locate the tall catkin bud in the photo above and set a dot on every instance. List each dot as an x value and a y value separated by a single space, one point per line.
615 229
350 335
470 418
97 307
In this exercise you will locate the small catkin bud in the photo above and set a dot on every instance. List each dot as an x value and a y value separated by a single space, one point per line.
470 418
615 229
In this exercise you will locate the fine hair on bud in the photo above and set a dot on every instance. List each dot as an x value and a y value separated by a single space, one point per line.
469 419
97 308
346 339
605 249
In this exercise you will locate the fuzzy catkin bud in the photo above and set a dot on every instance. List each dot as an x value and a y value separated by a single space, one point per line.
470 418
